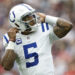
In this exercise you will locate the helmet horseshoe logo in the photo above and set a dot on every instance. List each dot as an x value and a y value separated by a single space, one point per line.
13 14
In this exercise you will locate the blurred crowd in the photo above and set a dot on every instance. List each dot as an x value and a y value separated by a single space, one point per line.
63 50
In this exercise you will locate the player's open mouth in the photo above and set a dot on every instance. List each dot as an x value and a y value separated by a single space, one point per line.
28 30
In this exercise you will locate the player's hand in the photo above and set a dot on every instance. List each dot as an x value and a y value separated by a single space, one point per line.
12 34
42 16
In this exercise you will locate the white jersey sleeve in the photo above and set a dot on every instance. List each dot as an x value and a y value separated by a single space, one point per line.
51 22
52 35
5 40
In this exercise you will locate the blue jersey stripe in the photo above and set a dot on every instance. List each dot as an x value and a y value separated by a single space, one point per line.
42 24
6 39
47 26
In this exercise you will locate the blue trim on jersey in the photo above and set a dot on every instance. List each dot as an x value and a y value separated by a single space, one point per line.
6 39
47 26
43 29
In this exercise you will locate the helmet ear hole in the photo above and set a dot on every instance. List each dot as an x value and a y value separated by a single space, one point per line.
17 25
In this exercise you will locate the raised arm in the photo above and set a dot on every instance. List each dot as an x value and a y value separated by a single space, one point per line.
60 26
10 56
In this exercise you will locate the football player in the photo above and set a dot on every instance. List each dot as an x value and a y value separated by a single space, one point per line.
29 40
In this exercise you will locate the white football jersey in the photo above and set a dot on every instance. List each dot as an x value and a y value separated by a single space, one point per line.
34 51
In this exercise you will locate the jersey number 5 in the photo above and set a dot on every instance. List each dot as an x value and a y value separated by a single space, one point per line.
29 55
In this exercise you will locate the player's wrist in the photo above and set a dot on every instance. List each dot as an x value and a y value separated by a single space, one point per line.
51 19
13 40
11 45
